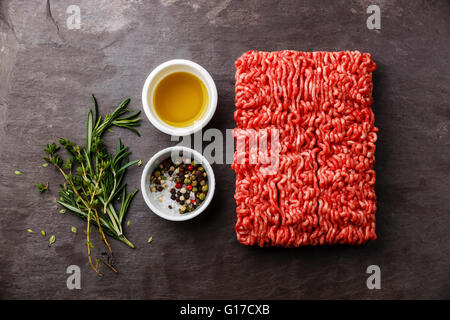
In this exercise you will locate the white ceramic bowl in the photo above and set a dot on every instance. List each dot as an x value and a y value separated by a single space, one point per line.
161 208
160 72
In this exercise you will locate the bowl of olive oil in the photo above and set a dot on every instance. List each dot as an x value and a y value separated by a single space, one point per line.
179 97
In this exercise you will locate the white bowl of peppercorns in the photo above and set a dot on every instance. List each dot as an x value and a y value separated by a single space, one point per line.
178 183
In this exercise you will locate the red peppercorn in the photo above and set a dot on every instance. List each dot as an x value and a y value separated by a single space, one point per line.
178 185
192 201
189 187
191 167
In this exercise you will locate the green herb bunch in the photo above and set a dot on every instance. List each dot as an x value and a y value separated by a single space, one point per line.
94 179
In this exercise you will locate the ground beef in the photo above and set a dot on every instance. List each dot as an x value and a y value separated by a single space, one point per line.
319 103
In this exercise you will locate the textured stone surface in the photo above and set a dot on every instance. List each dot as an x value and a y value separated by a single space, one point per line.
48 72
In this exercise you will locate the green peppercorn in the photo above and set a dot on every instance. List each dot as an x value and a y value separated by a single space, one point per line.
190 208
157 173
194 183
201 168
194 189
202 183
187 181
205 188
201 196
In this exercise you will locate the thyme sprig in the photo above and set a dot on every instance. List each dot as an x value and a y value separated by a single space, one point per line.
41 187
94 179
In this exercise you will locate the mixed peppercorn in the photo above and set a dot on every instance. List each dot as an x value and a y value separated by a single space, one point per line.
186 180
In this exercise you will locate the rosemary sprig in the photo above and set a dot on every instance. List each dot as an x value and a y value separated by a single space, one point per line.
94 178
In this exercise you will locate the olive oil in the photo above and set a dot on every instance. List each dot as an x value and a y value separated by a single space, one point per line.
180 99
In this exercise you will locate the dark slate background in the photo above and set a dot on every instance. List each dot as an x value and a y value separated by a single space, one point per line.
48 72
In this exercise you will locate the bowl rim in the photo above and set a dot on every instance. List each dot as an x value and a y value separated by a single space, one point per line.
197 125
205 203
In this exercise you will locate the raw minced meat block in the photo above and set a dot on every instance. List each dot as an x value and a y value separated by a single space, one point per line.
308 115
